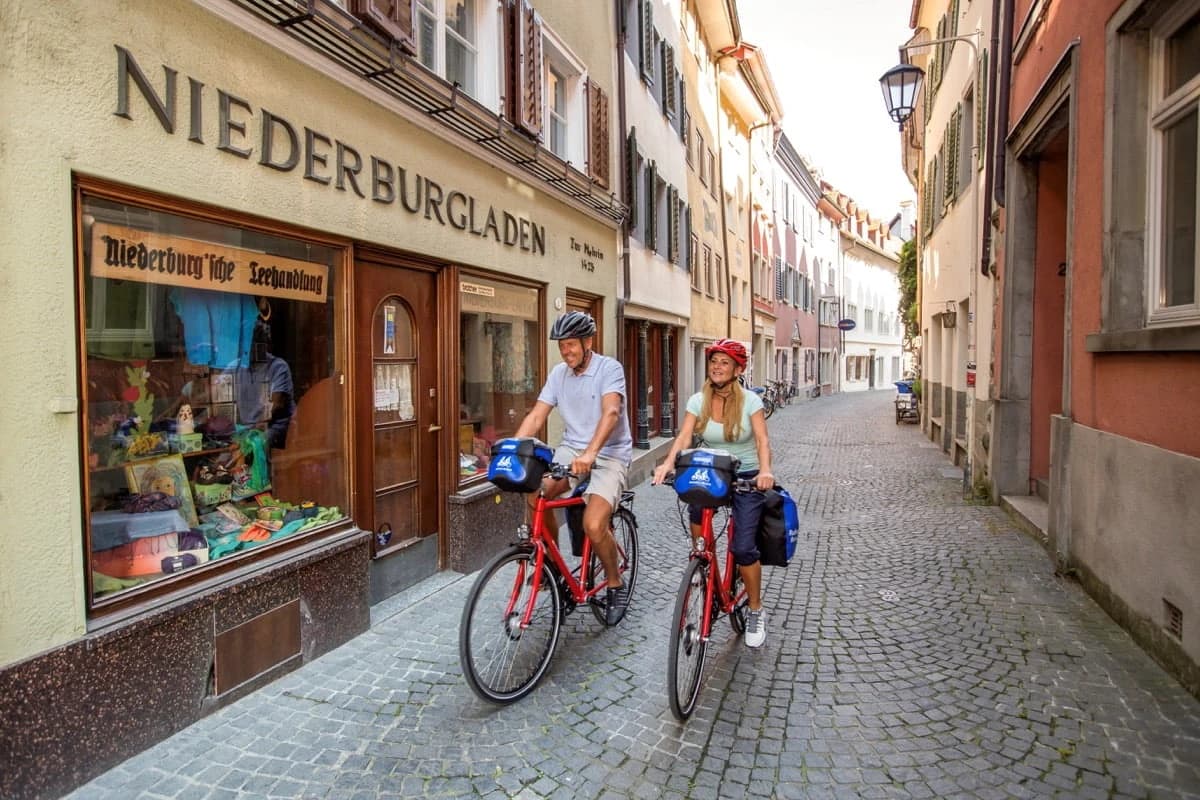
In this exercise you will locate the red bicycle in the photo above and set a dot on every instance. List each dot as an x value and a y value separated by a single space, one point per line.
514 613
706 592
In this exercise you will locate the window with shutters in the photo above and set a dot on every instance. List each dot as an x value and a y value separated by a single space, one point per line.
525 70
648 38
446 35
935 68
694 264
633 185
701 158
713 179
599 133
670 80
719 271
392 18
779 293
651 211
682 119
966 142
565 83
688 138
662 214
708 272
672 224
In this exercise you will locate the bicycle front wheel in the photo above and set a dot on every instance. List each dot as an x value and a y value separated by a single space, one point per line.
768 407
685 658
501 660
625 532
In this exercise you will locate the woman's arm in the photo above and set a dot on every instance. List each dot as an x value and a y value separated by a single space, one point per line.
758 424
681 442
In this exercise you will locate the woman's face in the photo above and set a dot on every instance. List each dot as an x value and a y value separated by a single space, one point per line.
722 369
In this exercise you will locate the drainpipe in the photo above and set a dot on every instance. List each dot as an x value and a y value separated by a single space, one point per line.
1004 62
989 116
625 227
750 228
721 203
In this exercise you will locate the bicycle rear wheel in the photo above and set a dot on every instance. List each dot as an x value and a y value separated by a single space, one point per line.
626 534
502 661
768 407
685 658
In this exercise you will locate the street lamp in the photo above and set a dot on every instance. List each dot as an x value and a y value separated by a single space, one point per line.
901 84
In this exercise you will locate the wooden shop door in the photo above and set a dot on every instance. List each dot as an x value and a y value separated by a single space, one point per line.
397 411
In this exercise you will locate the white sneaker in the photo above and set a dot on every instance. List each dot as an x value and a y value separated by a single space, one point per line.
756 628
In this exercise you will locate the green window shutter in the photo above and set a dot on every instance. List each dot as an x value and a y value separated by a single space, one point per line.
631 175
648 44
651 207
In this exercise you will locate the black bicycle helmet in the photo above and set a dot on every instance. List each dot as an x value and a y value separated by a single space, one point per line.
573 325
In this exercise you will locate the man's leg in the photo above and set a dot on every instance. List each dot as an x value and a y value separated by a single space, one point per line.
596 519
551 488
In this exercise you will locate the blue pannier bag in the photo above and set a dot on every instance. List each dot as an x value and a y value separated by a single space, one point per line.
518 465
704 477
779 528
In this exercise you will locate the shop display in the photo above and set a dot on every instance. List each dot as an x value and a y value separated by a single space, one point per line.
189 404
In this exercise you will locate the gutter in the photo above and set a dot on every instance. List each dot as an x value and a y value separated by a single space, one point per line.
1005 72
625 268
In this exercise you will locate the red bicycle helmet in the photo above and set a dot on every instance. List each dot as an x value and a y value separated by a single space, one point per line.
734 349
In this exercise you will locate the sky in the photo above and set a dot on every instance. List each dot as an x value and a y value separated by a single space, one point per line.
825 57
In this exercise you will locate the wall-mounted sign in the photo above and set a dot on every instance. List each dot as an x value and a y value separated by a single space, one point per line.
846 324
133 255
588 255
321 158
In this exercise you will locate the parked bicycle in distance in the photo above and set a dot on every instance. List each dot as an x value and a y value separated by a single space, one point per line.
768 399
514 613
707 589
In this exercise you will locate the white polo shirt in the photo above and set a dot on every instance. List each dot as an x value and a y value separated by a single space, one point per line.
578 400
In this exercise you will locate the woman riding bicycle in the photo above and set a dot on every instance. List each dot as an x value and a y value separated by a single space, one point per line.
730 418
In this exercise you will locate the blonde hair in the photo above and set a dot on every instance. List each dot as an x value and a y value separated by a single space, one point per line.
732 411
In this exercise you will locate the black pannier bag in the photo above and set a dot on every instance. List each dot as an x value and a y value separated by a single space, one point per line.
518 465
575 526
705 477
778 528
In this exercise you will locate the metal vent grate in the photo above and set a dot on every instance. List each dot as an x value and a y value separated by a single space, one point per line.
1172 619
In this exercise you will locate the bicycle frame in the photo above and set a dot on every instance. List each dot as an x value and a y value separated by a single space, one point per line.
720 581
546 546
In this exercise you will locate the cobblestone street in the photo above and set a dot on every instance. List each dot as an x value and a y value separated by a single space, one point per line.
919 646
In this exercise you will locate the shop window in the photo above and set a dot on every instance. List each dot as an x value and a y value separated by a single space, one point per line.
500 362
211 423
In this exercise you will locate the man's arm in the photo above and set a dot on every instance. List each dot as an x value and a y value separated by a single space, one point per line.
535 420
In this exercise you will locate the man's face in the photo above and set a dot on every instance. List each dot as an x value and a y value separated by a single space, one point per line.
572 351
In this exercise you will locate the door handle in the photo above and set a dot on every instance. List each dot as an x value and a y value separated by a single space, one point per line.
434 428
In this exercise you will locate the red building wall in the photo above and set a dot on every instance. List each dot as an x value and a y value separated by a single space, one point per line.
1154 397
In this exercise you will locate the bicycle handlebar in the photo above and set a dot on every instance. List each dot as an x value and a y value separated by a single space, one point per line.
743 485
561 471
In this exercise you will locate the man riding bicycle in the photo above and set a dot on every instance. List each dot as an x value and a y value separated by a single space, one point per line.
589 391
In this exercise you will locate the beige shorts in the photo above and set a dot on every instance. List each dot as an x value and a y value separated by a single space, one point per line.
607 478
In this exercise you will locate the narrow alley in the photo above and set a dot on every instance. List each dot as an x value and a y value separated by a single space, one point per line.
919 646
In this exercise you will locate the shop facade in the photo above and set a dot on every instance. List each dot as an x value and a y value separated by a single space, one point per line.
284 298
